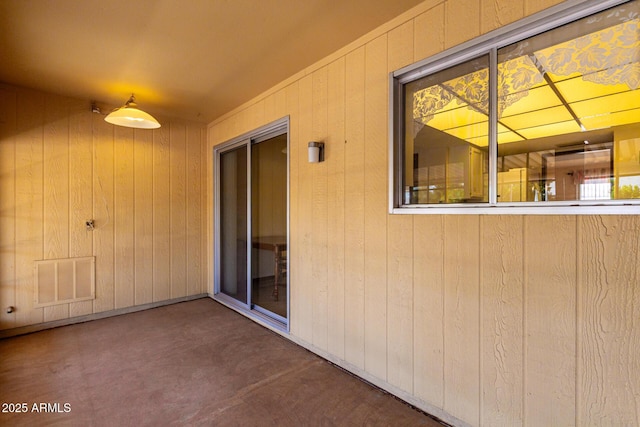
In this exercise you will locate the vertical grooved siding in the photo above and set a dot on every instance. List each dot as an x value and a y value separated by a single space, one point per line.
493 320
62 165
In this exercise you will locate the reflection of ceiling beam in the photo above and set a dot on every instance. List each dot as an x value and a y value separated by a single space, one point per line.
562 100
511 129
555 90
477 109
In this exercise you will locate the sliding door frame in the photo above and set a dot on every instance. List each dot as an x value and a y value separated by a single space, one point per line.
248 139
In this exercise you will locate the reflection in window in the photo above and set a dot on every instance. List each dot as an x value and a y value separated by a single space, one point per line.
447 135
567 119
572 94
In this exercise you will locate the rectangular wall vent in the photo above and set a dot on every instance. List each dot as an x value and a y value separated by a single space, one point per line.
60 281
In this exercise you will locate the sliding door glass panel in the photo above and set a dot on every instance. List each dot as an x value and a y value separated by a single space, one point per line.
269 224
233 223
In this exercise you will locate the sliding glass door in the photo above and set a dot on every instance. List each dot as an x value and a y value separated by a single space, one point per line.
233 223
251 256
269 224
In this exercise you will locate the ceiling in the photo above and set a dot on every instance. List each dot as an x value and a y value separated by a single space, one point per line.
192 59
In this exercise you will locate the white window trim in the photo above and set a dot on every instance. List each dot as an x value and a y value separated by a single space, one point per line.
489 43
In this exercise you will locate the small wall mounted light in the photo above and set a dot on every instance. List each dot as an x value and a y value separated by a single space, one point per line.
316 152
130 116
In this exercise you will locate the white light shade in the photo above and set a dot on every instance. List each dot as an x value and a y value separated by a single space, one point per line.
316 152
130 116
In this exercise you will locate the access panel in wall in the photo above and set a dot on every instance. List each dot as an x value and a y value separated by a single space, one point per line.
60 281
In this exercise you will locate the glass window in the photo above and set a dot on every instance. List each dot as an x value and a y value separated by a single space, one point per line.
568 103
447 134
561 124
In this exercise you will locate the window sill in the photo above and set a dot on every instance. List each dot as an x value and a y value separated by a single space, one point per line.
550 208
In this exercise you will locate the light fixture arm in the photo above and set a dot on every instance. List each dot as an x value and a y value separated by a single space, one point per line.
131 102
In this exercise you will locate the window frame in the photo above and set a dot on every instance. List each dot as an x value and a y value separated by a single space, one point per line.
489 44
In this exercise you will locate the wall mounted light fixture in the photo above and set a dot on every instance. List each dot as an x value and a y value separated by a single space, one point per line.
130 116
316 152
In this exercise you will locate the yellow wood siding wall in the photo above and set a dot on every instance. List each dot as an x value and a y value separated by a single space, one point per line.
485 320
62 165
